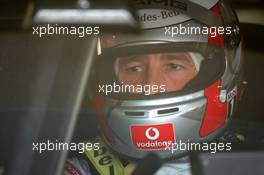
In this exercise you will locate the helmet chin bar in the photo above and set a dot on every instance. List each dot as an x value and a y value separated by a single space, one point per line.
195 121
200 117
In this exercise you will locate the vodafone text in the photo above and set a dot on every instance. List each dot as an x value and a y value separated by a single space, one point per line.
154 144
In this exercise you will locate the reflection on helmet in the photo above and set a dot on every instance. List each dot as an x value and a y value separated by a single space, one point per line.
154 90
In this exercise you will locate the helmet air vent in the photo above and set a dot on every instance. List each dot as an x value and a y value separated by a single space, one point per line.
167 111
136 113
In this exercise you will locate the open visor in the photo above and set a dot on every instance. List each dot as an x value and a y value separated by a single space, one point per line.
150 71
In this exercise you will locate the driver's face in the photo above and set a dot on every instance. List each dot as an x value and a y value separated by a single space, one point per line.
174 70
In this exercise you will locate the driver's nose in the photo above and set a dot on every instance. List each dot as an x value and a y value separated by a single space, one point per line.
154 74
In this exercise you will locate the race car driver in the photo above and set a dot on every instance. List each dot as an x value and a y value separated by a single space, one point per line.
177 82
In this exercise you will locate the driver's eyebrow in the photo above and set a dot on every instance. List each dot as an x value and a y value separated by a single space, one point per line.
127 59
180 57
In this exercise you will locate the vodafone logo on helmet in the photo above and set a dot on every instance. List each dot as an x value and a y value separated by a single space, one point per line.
149 134
152 137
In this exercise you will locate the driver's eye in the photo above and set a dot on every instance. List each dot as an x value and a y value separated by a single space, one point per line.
174 67
134 69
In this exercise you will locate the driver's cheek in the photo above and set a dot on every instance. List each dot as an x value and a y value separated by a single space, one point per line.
131 78
177 80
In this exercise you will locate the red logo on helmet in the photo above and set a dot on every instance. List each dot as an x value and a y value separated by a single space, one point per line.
150 137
